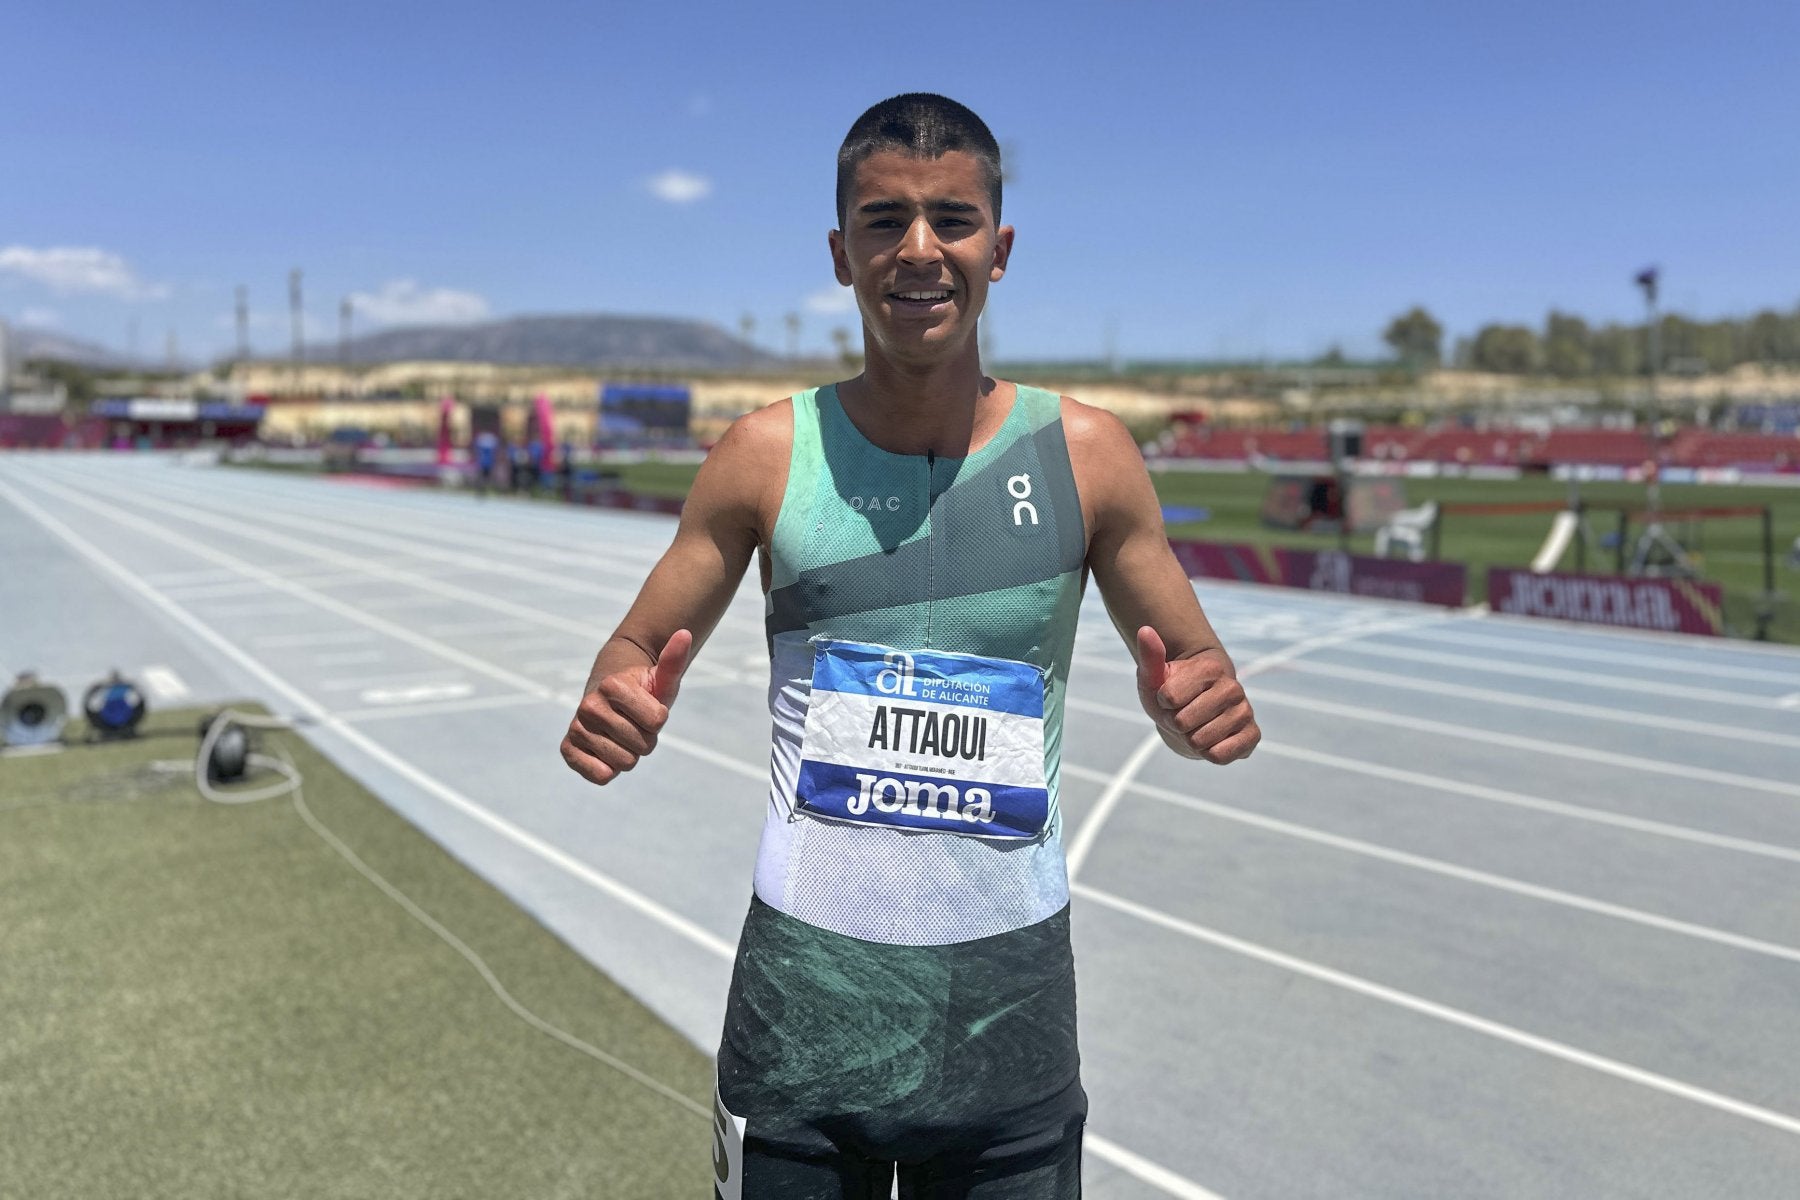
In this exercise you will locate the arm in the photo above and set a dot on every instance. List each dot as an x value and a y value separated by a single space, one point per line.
637 672
1186 682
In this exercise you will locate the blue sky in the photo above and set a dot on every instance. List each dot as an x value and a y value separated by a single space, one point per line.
1210 179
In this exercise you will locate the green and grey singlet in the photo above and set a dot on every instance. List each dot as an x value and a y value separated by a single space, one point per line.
977 555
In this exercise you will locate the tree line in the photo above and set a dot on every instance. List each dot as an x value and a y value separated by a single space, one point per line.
1568 347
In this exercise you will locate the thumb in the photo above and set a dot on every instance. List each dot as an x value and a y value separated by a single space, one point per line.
671 665
1153 660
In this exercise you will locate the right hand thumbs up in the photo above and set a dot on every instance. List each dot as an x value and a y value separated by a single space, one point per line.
616 723
671 665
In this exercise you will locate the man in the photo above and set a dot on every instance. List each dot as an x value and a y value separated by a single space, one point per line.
903 991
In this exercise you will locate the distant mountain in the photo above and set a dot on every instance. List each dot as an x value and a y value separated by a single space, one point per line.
29 343
563 341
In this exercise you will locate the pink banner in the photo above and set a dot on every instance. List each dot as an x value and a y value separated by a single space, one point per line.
1668 605
1326 571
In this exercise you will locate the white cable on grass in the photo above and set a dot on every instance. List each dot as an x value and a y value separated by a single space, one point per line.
291 784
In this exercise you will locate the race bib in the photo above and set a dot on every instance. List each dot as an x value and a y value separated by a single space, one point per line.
925 739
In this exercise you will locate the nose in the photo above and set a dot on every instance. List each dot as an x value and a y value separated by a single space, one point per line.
920 245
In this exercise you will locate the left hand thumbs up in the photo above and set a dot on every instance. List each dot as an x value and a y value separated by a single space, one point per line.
1197 702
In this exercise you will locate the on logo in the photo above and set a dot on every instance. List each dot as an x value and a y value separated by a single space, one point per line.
1019 488
896 679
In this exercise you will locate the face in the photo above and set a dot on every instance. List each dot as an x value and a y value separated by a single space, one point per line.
920 247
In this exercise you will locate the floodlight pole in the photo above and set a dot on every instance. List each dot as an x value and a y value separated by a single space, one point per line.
1646 280
295 310
243 323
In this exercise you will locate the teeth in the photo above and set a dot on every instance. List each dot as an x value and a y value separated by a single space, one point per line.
924 295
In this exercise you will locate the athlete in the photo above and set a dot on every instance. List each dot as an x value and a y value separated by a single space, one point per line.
903 995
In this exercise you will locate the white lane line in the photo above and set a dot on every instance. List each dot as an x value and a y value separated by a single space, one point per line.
562 581
1141 1167
259 608
214 591
1442 1012
381 625
440 519
183 579
448 591
1125 1160
1117 786
422 538
407 603
1662 664
399 711
1117 783
328 637
1592 712
552 854
418 693
1792 701
346 658
1499 666
399 680
164 684
1449 870
1631 762
1478 791
475 628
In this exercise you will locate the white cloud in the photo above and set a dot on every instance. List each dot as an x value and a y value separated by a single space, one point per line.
832 302
678 186
404 302
40 318
71 270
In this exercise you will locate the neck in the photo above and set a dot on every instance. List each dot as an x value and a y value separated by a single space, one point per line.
947 408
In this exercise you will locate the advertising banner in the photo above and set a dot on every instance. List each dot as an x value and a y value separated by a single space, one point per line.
1668 605
1326 571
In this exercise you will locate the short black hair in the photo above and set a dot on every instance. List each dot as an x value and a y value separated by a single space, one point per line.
922 124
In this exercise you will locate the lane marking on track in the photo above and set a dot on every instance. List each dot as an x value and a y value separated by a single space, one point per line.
404 679
1490 1028
1443 1012
331 637
1621 683
1632 762
1663 665
1135 1164
448 591
402 711
1559 808
1449 870
184 506
258 608
1592 712
1792 701
347 658
164 684
1121 781
418 693
1141 1167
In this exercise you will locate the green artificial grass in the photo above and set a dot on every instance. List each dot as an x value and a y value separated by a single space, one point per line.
199 1000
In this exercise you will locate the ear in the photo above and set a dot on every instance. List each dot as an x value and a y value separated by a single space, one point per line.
1003 243
840 261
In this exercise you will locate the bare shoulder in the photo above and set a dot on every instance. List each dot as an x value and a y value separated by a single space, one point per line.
745 473
1095 433
1109 467
759 433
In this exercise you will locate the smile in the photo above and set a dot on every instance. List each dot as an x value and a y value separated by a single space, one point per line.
930 297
